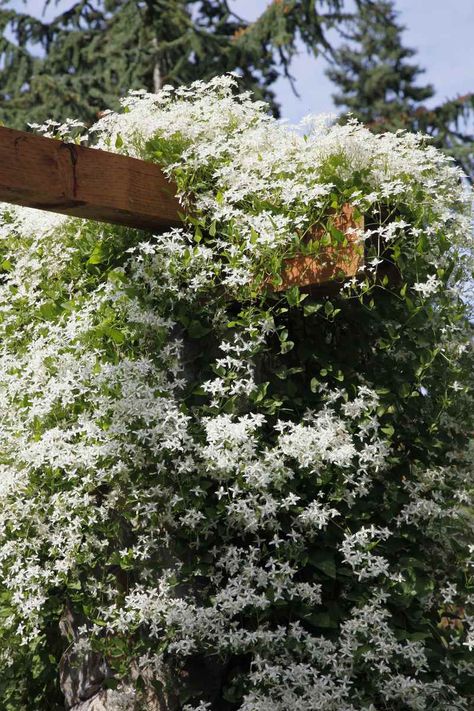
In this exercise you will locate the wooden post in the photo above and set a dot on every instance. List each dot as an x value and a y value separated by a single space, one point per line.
84 182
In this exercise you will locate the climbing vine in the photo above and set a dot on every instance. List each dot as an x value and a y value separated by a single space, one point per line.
218 492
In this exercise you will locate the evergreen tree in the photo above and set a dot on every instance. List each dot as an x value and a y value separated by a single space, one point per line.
378 84
89 55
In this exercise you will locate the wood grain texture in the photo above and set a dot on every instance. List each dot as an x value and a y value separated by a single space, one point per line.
84 182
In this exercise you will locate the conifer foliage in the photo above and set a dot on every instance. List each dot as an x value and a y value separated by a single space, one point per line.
377 82
96 50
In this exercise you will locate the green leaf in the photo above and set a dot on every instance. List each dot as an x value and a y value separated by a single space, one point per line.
49 310
322 619
337 235
99 254
259 395
310 309
292 295
324 561
328 308
197 330
114 334
286 346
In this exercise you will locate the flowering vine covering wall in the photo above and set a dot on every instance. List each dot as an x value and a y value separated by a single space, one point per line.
220 495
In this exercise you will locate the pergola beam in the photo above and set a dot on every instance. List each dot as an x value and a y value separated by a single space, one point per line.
51 175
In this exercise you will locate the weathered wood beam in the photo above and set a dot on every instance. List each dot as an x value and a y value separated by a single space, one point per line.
84 182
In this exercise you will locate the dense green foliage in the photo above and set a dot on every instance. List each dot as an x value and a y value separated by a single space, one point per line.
80 62
377 83
239 498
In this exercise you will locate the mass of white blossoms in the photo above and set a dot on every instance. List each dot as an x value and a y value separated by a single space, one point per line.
207 472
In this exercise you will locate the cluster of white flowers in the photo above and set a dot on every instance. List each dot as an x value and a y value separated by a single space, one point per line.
430 286
272 181
152 472
356 552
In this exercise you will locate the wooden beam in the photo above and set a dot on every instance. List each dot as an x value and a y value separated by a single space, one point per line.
84 182
332 265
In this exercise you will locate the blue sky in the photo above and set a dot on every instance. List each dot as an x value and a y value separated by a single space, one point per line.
441 31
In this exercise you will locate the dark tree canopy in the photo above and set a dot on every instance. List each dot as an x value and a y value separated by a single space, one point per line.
87 56
378 83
